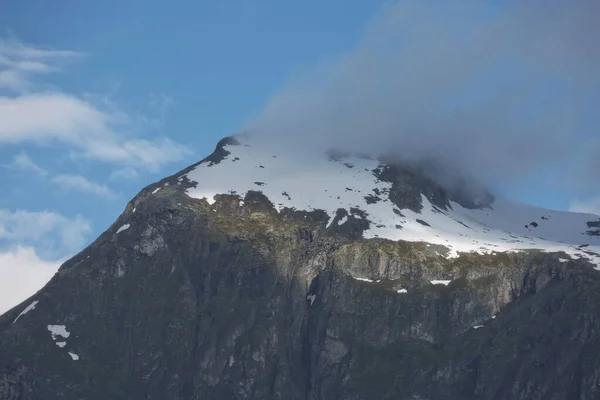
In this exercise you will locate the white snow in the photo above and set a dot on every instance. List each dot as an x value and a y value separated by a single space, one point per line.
312 298
401 291
133 209
363 279
74 356
58 330
478 326
211 200
124 227
563 260
61 344
343 220
440 282
26 310
156 190
493 317
310 181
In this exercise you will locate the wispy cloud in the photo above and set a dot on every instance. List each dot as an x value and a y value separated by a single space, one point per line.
507 90
82 184
23 162
159 104
126 173
90 127
23 273
53 234
12 80
22 52
19 63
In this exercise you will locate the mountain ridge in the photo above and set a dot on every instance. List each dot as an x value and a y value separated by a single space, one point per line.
405 188
238 297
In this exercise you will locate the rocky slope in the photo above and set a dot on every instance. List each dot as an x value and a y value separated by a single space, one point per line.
256 276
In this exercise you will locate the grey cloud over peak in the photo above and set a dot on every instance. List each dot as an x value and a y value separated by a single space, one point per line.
507 90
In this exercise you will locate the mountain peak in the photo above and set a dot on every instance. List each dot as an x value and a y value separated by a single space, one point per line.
368 278
394 201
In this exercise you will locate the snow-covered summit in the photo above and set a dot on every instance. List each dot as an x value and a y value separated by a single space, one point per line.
305 180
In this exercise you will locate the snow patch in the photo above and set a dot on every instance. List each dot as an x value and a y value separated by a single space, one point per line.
312 298
58 330
343 220
363 279
26 310
478 326
156 190
563 260
401 291
209 199
124 227
133 209
440 282
61 344
74 356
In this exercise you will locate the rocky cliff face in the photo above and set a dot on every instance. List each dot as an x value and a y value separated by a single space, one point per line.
233 297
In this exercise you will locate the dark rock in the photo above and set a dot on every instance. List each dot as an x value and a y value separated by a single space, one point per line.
593 224
222 301
372 199
411 180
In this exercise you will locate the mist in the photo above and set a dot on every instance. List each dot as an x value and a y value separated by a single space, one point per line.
505 90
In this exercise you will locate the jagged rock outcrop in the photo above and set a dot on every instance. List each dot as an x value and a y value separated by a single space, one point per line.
184 299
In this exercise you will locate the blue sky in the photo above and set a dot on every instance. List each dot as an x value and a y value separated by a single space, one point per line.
99 99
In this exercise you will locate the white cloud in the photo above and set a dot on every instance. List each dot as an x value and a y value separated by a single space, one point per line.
124 173
57 117
20 62
24 162
52 233
94 127
18 50
588 206
82 184
75 122
22 273
32 247
12 80
160 104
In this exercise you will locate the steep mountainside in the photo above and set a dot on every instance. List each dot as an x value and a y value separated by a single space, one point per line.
260 273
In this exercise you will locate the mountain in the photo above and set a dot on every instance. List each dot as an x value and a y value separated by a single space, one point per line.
266 272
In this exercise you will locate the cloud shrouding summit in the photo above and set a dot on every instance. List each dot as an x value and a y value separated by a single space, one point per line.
507 90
